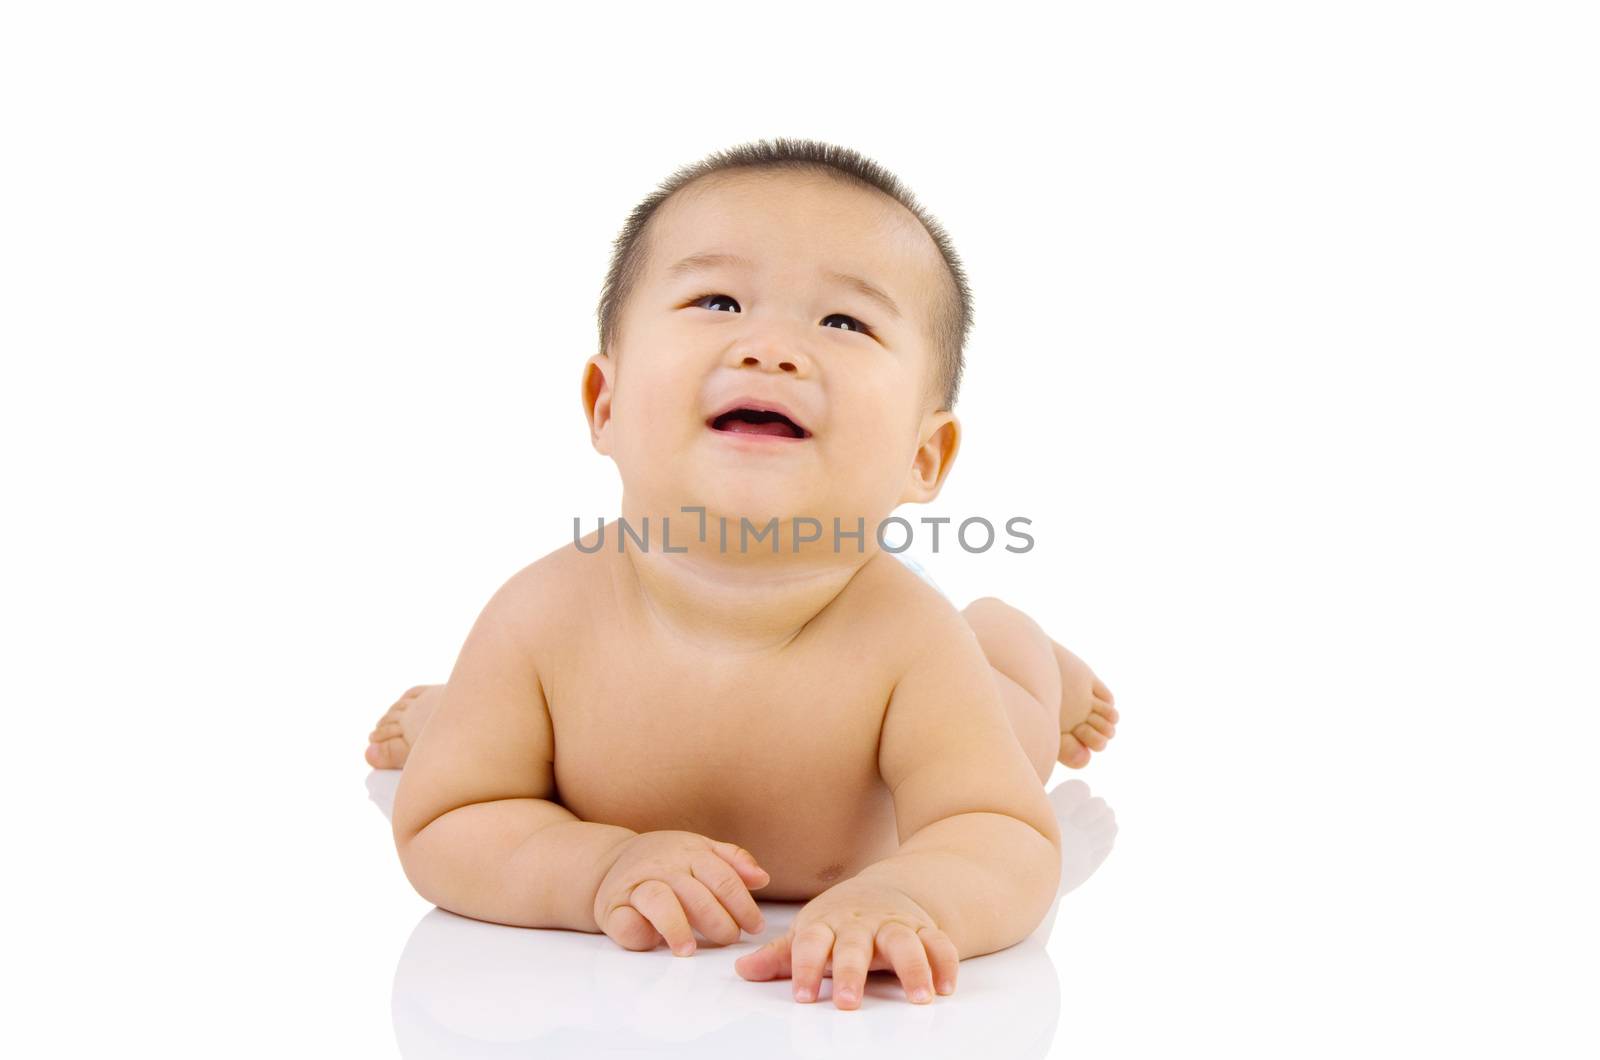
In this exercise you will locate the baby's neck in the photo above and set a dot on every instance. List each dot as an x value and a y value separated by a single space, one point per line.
730 601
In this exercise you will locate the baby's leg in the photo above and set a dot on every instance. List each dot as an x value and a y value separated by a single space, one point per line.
1033 671
397 730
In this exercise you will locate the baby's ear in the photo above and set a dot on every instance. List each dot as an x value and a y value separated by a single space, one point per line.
599 372
941 439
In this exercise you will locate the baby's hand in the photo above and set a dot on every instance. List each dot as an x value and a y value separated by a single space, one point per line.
868 927
660 876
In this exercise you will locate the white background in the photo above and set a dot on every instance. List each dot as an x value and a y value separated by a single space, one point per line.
1286 332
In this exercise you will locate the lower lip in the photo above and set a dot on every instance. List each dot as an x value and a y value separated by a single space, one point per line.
757 439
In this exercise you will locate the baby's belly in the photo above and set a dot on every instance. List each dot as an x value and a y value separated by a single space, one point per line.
801 793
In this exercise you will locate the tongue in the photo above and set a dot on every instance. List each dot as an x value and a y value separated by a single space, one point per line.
770 427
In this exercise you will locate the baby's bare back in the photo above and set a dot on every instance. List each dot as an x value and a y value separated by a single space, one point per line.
775 751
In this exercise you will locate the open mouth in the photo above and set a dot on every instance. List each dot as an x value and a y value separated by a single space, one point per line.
757 421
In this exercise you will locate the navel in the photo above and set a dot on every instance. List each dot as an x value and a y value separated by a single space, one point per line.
831 873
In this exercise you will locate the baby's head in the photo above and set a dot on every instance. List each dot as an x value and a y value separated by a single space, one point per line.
792 277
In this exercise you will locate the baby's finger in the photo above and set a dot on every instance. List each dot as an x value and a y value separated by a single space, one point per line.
705 912
740 858
658 904
766 962
629 929
852 953
909 959
944 957
730 890
808 955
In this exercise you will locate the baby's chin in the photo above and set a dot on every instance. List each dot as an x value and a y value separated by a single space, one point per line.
755 487
755 491
758 504
753 501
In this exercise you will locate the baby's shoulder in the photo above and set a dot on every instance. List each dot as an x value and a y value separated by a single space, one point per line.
903 610
543 601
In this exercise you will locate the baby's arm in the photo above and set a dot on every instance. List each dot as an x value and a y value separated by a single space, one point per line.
980 847
474 822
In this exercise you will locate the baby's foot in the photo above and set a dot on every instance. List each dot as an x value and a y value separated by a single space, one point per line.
397 730
1088 719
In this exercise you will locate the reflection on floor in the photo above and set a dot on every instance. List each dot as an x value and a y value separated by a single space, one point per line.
464 988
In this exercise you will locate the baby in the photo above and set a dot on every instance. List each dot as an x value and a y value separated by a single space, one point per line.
803 716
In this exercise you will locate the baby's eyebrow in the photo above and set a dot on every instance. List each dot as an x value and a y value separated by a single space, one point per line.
867 288
711 260
707 260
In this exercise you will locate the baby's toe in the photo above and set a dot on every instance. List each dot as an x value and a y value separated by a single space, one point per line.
387 754
1101 724
1102 693
1073 754
386 730
390 741
1090 737
393 714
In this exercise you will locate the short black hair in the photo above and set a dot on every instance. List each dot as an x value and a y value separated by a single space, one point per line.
952 319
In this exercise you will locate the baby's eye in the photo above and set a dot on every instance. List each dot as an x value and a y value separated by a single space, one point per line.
715 298
708 300
855 325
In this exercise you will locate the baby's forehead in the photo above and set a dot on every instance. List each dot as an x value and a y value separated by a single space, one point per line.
780 220
808 201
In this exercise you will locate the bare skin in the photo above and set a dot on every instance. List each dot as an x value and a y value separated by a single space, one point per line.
1085 717
816 723
668 734
586 678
